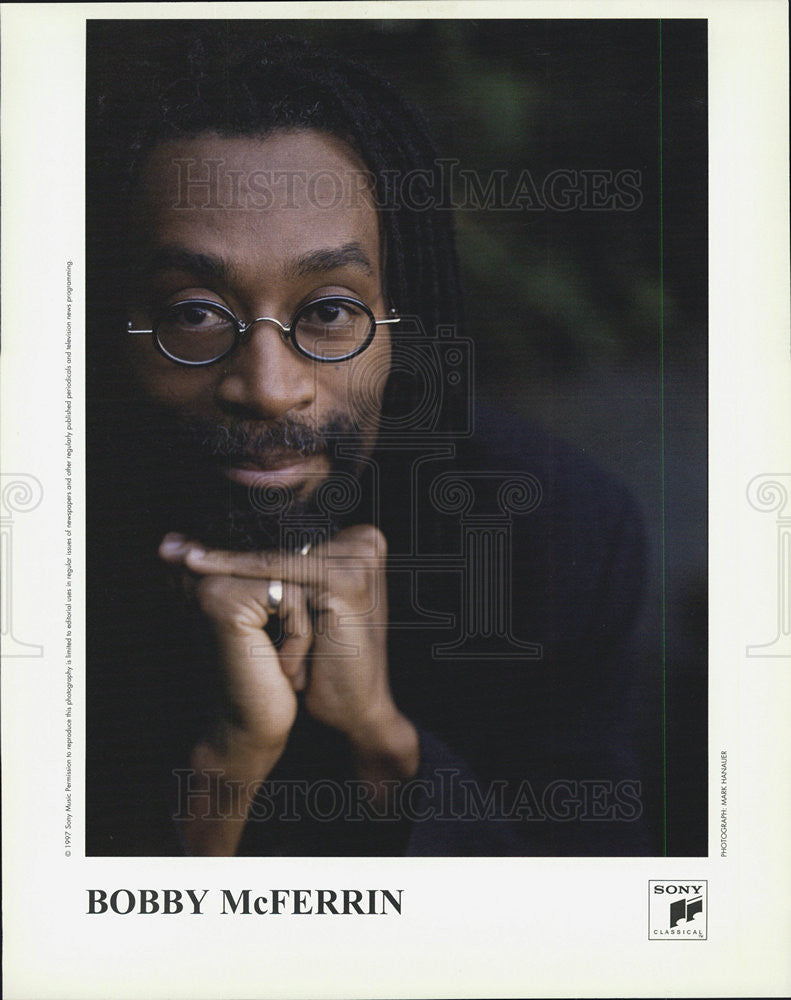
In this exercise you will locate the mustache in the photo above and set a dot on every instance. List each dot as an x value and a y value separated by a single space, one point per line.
246 441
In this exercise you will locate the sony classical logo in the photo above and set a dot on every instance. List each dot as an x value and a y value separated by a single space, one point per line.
677 910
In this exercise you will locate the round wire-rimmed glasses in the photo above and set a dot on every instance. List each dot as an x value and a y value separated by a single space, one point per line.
330 328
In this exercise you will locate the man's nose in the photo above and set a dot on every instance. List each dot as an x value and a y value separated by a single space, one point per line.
265 377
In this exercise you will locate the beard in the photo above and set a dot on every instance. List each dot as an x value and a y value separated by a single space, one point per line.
186 491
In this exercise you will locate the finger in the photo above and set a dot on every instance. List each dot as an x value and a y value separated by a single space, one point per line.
178 550
298 630
300 680
172 550
362 545
287 566
234 604
174 547
297 674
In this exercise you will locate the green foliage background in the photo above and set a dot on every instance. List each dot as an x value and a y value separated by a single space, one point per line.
552 296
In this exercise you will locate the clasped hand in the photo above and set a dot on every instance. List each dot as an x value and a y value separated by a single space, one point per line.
334 619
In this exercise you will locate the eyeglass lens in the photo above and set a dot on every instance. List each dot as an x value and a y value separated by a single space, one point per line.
328 329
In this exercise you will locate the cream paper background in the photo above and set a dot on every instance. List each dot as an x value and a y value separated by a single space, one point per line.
505 927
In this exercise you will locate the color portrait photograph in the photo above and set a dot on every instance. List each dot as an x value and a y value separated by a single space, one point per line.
396 437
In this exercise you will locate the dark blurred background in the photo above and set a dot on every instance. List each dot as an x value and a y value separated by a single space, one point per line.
589 314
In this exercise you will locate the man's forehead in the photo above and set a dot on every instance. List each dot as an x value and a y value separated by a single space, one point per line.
284 170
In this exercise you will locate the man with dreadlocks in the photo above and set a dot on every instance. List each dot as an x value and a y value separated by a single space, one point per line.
270 669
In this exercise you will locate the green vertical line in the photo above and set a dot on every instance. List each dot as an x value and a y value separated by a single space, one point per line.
662 452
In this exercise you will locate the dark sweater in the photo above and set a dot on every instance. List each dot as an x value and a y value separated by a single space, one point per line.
513 647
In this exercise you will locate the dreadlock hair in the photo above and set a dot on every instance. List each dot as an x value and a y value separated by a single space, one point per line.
147 83
153 81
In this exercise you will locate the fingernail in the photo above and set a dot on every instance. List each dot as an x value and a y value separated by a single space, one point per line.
172 544
196 551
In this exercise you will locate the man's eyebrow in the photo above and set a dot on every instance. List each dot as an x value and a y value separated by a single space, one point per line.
212 268
205 266
348 255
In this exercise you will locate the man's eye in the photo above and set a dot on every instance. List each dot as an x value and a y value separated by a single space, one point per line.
330 314
327 313
190 315
194 314
195 317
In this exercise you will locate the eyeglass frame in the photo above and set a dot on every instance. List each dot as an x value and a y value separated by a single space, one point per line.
287 332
